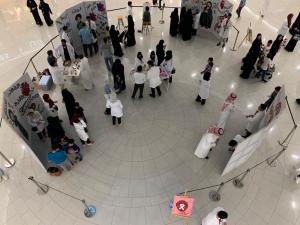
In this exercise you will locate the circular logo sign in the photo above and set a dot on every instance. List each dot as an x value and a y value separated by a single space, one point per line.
182 205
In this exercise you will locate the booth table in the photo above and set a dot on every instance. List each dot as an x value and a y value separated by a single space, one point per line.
73 71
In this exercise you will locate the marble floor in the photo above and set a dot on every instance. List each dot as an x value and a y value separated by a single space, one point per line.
134 170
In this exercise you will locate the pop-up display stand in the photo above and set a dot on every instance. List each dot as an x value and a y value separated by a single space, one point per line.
95 9
211 12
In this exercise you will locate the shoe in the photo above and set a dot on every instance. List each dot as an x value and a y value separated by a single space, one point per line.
219 44
140 96
151 95
206 157
223 45
132 97
91 143
265 81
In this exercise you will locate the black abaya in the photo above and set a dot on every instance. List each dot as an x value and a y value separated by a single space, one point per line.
118 75
187 26
275 48
160 53
182 15
44 7
69 101
295 24
114 36
130 32
34 10
293 41
251 58
206 18
174 23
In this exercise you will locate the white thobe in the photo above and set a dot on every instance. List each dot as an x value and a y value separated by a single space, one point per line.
79 128
86 74
228 108
60 52
66 37
283 29
204 89
211 218
153 77
254 122
57 74
207 142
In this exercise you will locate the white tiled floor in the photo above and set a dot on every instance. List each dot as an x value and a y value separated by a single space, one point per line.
133 171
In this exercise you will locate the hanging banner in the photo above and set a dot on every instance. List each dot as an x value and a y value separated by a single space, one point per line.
95 9
245 149
212 13
17 100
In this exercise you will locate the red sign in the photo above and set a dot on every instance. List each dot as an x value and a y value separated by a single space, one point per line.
182 206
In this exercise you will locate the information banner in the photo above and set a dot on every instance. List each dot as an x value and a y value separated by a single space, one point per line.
212 13
17 100
245 149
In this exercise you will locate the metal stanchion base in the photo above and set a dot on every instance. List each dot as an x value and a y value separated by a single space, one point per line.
161 21
44 191
232 49
214 196
237 183
11 164
90 211
272 164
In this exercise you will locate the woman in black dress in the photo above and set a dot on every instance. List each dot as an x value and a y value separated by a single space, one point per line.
206 16
118 75
114 36
182 15
45 8
69 101
130 32
276 46
31 4
160 52
294 39
251 58
174 23
187 26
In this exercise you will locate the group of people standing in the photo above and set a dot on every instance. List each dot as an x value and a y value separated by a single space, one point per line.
46 11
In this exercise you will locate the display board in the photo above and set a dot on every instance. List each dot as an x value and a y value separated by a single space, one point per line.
246 148
212 13
95 9
17 100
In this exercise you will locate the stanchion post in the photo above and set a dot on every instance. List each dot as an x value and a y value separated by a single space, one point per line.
215 195
239 182
89 210
9 162
237 35
272 162
42 189
37 72
162 14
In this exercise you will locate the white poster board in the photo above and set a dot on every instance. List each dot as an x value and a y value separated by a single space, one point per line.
18 98
219 8
95 9
246 148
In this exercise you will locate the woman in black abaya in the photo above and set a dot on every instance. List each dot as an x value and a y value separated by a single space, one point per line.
294 39
174 23
160 52
276 46
118 75
182 15
251 58
31 4
45 8
187 26
130 32
114 36
69 101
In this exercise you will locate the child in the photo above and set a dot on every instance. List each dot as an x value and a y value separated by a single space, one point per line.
234 142
264 67
116 108
59 157
267 47
209 66
81 130
79 111
3 175
204 88
72 148
107 93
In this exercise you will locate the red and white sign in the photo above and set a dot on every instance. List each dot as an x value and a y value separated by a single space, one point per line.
182 206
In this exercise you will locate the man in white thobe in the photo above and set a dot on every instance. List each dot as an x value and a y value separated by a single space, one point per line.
227 109
216 217
254 121
66 51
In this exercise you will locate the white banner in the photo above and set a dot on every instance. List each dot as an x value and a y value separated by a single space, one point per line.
18 98
245 149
